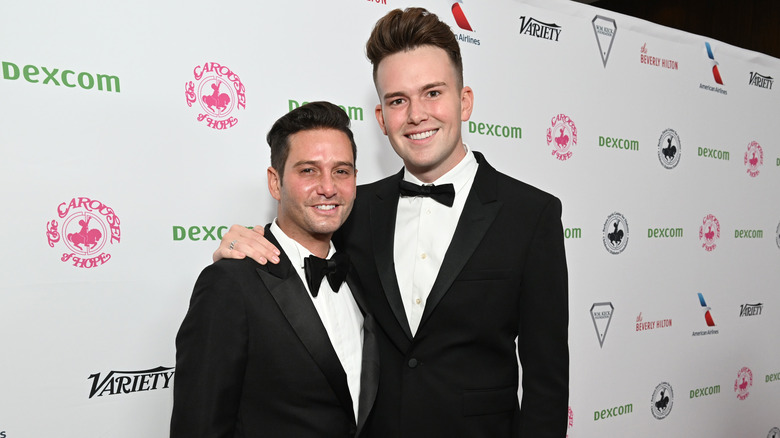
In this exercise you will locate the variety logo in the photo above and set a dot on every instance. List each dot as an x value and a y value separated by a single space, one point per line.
642 325
463 23
715 72
644 58
126 382
669 149
605 30
743 383
709 232
87 226
761 81
615 233
662 401
562 136
707 318
754 159
601 313
219 92
532 27
750 309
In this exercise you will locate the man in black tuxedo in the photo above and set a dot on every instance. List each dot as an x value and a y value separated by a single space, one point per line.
287 349
464 267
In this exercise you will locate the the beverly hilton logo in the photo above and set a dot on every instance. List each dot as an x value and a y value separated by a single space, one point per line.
87 226
743 383
754 159
662 401
218 92
709 232
605 30
669 149
562 136
615 233
601 313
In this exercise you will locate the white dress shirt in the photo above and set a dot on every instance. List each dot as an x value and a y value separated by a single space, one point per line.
423 232
339 313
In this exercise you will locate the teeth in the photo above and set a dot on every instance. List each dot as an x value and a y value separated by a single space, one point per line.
422 135
326 207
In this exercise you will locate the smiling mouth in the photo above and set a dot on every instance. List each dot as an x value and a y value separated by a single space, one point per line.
325 207
422 135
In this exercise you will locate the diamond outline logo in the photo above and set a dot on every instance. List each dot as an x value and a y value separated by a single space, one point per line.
606 31
599 318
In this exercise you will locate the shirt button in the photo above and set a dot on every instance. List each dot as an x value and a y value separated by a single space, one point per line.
412 363
418 301
423 256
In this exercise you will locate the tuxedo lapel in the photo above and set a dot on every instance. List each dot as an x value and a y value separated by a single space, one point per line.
287 289
369 374
478 214
383 210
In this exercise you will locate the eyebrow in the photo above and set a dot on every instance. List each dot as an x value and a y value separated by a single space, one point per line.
423 88
317 163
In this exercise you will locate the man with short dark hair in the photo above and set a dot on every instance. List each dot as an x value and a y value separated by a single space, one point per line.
284 350
464 267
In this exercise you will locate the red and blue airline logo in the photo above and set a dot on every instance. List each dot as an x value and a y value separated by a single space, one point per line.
707 314
715 71
460 17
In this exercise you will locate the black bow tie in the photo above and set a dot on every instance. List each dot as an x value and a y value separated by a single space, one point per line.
334 268
443 194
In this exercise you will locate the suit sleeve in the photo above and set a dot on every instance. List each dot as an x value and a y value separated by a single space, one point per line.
211 354
543 347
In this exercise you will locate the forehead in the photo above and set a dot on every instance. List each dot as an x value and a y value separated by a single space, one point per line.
421 64
320 144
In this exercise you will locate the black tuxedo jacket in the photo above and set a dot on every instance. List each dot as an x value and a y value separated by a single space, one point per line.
254 360
503 277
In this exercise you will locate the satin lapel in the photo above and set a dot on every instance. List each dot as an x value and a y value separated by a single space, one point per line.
369 374
478 214
383 210
287 289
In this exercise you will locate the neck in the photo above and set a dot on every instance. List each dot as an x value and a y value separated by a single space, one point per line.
317 244
430 174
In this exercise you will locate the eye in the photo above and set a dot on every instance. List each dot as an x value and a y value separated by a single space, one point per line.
434 93
396 102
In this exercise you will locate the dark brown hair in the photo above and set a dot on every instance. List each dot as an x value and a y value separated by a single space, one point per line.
313 115
401 31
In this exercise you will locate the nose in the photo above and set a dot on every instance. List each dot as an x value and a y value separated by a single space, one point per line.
327 186
416 113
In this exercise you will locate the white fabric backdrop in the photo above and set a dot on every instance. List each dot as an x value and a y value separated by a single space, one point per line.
139 149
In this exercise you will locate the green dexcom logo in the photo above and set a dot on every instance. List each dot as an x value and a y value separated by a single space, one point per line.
57 77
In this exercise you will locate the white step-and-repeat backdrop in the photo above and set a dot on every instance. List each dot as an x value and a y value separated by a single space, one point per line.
132 136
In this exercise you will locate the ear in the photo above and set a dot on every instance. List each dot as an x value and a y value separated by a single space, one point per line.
380 118
466 103
274 183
